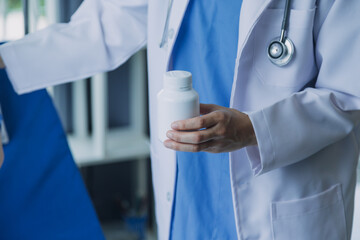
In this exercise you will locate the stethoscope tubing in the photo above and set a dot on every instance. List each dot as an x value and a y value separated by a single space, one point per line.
281 50
285 21
166 26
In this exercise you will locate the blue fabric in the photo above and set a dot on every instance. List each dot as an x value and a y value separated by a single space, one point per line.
207 47
42 195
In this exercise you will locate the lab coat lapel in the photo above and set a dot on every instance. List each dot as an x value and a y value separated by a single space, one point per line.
251 11
176 16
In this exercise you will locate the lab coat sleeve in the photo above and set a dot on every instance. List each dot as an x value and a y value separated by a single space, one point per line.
308 121
101 35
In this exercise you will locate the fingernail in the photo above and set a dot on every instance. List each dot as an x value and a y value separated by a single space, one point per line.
167 144
175 125
169 134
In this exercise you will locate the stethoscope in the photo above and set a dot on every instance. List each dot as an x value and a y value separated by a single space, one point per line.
280 50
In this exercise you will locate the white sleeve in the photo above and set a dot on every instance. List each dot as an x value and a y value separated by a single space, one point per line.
308 121
101 35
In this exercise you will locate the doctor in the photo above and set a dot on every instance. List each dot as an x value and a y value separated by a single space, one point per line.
288 136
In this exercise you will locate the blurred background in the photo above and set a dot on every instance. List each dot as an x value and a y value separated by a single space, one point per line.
106 121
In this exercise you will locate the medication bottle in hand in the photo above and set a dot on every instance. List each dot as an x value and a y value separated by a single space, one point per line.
176 101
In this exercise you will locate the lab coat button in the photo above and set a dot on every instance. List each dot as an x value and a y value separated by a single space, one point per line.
168 196
171 33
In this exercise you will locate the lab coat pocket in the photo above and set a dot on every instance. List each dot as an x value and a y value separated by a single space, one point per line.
318 217
301 69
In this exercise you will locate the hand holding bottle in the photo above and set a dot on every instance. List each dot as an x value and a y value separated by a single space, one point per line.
219 129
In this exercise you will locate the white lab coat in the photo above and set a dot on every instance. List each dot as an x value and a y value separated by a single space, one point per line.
299 182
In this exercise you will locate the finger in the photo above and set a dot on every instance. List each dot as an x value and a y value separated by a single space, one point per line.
184 147
208 108
196 123
194 137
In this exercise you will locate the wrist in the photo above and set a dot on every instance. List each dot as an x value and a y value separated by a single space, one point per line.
251 133
245 131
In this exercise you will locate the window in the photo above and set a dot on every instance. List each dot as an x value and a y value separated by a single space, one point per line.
12 17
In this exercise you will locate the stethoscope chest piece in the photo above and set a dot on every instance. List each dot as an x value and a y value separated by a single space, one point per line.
280 53
281 50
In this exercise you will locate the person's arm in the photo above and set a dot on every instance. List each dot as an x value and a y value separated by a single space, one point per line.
303 124
101 35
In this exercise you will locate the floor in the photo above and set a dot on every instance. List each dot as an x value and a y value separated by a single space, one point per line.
117 231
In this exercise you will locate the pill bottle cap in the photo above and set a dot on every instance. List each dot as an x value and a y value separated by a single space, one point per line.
178 80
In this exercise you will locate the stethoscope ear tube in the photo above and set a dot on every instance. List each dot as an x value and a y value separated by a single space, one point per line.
281 50
166 25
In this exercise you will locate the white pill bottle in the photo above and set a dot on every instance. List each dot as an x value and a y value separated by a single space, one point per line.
176 101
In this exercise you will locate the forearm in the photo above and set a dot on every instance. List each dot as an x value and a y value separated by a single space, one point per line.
97 39
301 125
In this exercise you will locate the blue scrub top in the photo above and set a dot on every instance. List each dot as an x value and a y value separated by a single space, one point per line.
42 195
207 47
